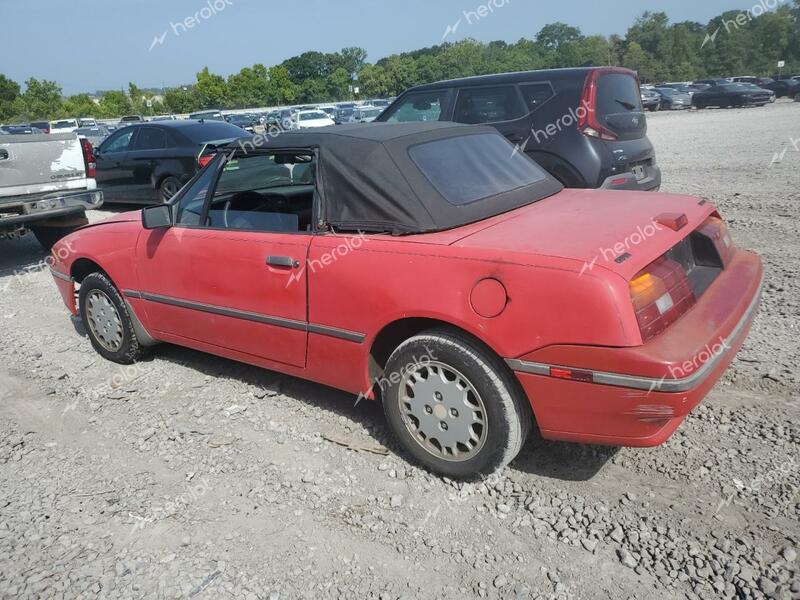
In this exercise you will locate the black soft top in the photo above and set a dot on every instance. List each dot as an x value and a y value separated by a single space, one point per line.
370 182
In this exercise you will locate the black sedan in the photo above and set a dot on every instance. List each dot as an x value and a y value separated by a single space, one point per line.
651 100
784 88
21 130
672 99
732 95
246 122
147 163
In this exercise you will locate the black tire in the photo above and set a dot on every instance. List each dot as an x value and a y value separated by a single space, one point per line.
168 187
507 419
129 350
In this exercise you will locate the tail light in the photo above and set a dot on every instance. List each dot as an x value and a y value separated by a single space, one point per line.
588 122
204 159
660 293
88 158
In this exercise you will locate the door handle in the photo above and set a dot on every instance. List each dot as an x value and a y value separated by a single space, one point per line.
3 154
283 261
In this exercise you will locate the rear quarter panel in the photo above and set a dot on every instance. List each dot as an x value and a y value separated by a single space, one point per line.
365 287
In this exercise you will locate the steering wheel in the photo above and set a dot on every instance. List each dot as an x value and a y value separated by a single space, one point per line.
255 197
249 198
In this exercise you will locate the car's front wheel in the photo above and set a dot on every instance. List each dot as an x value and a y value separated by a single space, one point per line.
108 323
453 405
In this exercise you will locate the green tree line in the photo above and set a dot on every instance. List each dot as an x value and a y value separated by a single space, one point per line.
733 43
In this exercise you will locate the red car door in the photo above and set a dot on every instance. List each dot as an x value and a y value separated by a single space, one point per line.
228 284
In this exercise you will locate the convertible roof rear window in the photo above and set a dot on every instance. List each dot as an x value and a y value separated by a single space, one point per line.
469 168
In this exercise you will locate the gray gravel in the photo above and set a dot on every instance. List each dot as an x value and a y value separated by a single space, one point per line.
188 476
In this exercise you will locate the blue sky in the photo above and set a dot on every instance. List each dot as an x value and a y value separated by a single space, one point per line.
87 45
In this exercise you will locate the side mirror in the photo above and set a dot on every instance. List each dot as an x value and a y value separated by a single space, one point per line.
157 217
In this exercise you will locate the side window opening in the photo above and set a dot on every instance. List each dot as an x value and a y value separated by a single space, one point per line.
488 105
150 138
419 106
119 143
265 192
536 94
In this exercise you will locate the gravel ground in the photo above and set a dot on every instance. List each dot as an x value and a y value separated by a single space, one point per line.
188 476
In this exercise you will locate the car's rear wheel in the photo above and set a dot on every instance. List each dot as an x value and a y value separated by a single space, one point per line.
108 323
454 406
168 187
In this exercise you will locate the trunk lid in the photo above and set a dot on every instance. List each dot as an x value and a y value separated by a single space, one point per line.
615 230
33 164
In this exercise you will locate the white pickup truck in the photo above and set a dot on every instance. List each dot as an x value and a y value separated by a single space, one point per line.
46 185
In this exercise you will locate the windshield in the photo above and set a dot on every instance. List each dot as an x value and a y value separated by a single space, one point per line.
469 168
263 172
214 116
669 91
313 116
63 124
373 112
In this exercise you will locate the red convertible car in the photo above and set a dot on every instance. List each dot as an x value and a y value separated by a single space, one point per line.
431 267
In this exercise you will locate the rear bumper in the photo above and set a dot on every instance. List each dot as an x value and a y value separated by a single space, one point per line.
640 396
22 210
651 181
